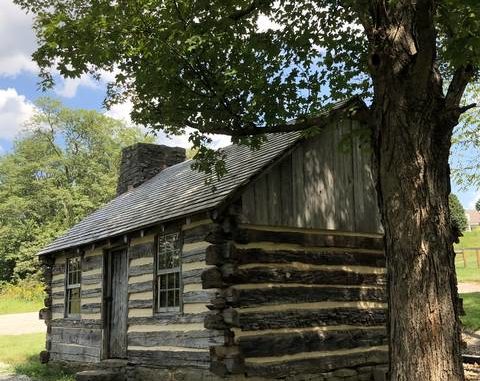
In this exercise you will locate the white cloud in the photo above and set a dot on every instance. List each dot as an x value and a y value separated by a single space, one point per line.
122 111
18 40
15 110
68 87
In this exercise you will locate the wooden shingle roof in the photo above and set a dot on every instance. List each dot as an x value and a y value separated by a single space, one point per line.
175 192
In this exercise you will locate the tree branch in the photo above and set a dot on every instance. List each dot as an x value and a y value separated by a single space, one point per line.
355 108
462 76
241 13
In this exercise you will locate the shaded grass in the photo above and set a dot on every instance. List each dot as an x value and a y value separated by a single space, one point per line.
471 304
20 352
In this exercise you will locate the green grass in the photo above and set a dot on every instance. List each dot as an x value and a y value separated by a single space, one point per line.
471 304
15 306
470 273
20 353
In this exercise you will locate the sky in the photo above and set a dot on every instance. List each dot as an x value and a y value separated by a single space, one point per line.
19 88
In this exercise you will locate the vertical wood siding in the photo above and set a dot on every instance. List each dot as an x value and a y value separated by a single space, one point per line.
325 183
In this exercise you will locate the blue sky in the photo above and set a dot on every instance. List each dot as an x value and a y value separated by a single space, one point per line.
19 88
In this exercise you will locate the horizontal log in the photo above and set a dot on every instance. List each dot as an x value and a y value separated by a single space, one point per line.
133 304
194 252
343 257
57 308
140 287
168 318
91 293
141 270
310 341
91 263
58 269
286 275
202 339
312 318
170 359
322 363
91 308
197 233
73 349
58 295
143 250
79 336
80 358
295 294
198 296
83 323
192 276
309 239
92 279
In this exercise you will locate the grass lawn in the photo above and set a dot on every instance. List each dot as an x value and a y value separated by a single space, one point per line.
471 304
16 306
471 273
20 352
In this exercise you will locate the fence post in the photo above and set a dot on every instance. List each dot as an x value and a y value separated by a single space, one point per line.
478 258
464 259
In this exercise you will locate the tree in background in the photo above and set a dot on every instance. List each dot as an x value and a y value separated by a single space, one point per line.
218 67
61 168
477 206
457 212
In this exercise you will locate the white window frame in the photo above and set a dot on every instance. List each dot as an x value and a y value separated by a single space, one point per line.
164 270
72 286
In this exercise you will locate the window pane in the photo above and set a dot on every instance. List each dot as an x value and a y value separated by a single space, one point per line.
171 298
171 281
163 299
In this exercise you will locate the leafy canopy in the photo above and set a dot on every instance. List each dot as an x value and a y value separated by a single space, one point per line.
63 167
214 66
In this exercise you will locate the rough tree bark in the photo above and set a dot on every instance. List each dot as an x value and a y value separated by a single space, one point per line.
413 124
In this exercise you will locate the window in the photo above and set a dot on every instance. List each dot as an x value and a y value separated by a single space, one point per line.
73 275
168 273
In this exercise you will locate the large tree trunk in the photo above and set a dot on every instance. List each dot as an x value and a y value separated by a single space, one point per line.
413 143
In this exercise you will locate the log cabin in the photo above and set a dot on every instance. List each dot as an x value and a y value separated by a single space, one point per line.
278 272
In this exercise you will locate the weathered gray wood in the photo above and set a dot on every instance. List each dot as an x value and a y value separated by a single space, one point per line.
92 293
144 250
197 234
327 256
193 255
140 287
168 318
79 336
75 349
309 239
141 270
308 341
191 339
170 359
92 279
91 263
58 308
312 318
280 295
198 296
192 276
80 358
83 323
92 308
261 200
321 364
119 306
286 275
133 304
286 191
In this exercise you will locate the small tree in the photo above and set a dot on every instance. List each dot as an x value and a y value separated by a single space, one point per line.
459 219
477 205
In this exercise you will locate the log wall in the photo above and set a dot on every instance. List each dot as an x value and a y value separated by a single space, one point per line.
296 301
324 183
77 339
170 339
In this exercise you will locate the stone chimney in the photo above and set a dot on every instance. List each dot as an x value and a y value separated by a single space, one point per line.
142 161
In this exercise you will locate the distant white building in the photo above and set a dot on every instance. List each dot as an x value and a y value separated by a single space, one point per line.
473 219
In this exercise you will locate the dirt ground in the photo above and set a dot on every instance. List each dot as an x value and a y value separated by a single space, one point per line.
19 324
466 288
